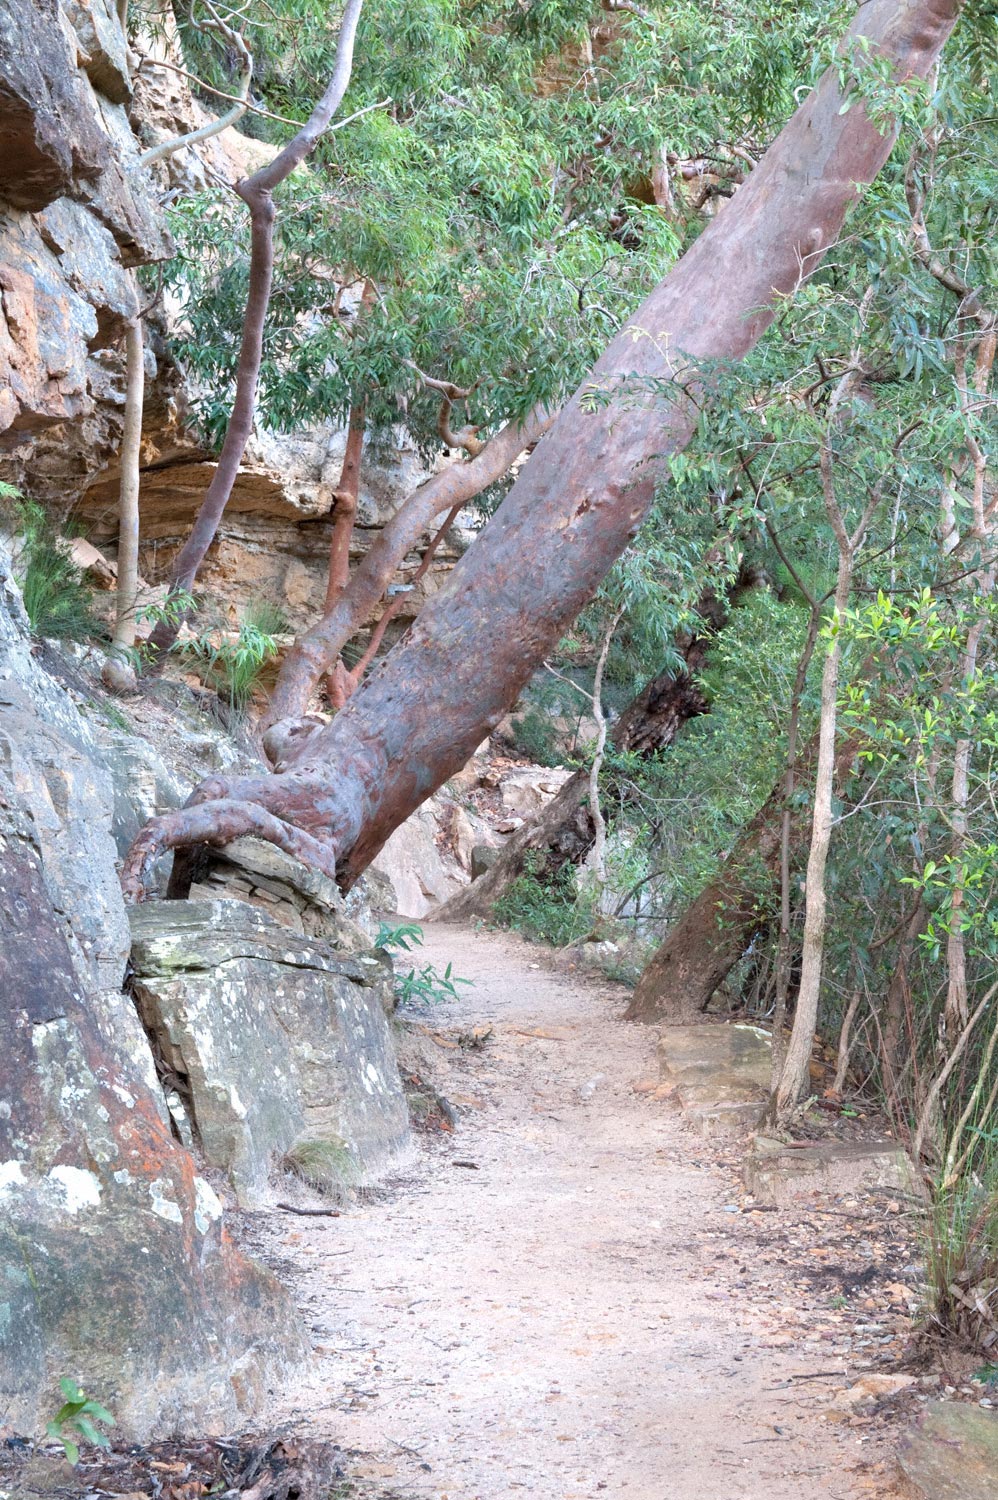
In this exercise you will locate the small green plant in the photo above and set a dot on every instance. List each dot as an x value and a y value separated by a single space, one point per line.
77 1418
407 935
57 601
266 617
987 1376
962 1258
546 906
173 610
325 1165
233 667
422 986
427 986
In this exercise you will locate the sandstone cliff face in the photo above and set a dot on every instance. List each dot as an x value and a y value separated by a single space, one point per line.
115 1263
76 210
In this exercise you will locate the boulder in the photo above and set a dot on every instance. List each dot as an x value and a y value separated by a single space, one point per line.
143 785
277 1042
114 1266
294 895
951 1454
483 857
721 1074
777 1174
524 793
413 863
48 753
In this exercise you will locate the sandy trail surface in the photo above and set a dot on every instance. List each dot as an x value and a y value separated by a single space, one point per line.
549 1301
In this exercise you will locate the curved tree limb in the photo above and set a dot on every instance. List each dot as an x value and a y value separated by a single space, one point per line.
237 41
585 493
256 192
317 650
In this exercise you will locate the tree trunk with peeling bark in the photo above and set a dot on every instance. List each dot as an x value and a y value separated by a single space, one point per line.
579 500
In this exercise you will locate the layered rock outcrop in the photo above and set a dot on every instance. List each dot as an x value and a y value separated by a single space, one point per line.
280 1043
76 210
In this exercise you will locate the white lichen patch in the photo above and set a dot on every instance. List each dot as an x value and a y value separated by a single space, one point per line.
127 1099
207 1208
11 1176
162 1206
81 1189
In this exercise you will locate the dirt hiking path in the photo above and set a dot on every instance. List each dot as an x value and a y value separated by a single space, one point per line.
552 1319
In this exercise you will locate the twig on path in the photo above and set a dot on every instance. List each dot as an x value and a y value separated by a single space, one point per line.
310 1213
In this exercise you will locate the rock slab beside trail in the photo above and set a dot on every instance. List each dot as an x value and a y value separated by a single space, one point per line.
776 1173
721 1074
952 1454
115 1268
274 1039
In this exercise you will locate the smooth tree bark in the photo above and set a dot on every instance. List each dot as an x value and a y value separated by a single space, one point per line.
581 497
596 861
257 192
783 942
316 651
795 1076
118 673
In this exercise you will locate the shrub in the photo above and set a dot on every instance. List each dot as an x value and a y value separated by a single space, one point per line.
324 1165
57 601
233 667
962 1259
420 986
266 617
546 906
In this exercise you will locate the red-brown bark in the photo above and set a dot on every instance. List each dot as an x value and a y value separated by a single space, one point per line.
317 650
345 510
257 192
590 484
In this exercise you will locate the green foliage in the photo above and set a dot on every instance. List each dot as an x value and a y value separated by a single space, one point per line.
512 169
962 1259
536 738
57 601
77 1419
545 905
406 936
267 618
232 666
423 985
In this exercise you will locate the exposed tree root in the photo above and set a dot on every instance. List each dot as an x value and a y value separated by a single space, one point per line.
218 822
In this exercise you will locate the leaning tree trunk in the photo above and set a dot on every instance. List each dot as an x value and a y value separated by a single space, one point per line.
579 501
699 952
562 832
